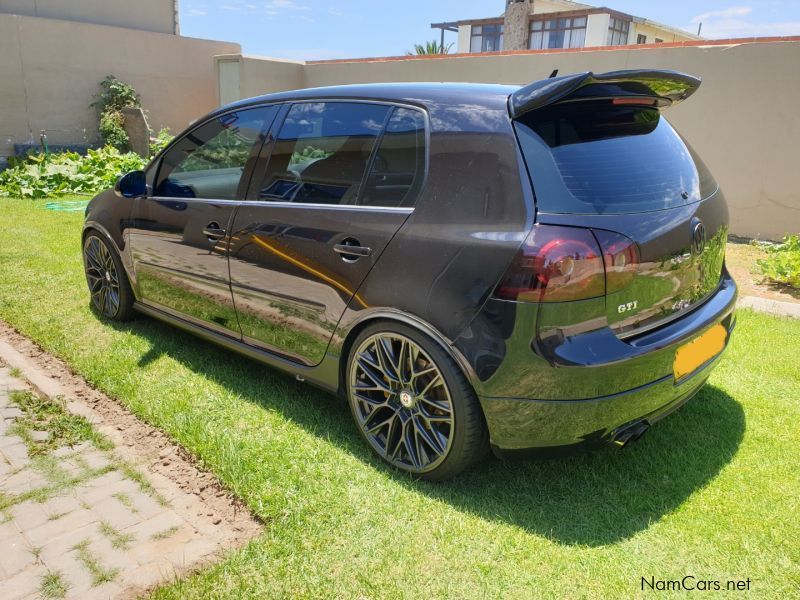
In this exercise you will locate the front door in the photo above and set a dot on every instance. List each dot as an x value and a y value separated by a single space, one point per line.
179 235
341 179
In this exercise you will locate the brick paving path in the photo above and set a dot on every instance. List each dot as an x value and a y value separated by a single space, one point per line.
78 521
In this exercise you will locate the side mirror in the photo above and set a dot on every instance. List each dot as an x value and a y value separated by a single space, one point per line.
131 185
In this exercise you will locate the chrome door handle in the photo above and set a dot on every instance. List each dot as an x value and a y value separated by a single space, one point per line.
346 250
213 231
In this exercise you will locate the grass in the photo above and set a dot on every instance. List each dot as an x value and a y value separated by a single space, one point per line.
162 535
91 563
53 585
119 540
126 501
64 429
44 493
711 492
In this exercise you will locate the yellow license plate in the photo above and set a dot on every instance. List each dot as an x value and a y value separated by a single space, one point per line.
699 351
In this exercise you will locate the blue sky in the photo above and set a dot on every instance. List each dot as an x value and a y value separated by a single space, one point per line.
322 29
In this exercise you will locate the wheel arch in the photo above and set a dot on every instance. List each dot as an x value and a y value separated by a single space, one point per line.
391 316
94 226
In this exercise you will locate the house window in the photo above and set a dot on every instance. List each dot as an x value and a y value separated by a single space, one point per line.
641 39
486 38
558 33
659 41
618 32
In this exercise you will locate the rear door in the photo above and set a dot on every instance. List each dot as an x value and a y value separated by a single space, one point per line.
341 179
179 236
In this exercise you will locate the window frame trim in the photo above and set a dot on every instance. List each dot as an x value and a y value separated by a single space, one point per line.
499 35
267 147
612 30
543 18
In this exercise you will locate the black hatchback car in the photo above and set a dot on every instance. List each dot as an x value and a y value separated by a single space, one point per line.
536 267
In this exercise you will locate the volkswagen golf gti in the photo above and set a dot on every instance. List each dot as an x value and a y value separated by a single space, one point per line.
536 268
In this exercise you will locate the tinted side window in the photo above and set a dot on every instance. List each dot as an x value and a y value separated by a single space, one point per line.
209 161
399 165
321 152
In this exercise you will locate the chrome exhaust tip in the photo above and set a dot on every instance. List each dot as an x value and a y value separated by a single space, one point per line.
629 433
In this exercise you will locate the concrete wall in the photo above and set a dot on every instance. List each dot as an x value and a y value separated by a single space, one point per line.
654 32
597 29
743 121
50 72
150 15
464 38
283 75
548 6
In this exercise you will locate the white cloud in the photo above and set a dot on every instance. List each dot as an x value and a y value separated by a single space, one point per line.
230 7
194 12
278 5
735 22
725 13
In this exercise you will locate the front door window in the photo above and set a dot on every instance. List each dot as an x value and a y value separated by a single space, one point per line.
209 161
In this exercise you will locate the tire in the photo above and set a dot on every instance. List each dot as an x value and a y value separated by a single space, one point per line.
412 403
109 288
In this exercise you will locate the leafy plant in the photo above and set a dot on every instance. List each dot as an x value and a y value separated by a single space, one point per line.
782 264
308 153
113 97
41 175
158 143
227 150
113 132
432 47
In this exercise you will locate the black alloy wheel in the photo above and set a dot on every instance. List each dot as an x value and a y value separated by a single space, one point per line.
108 284
406 409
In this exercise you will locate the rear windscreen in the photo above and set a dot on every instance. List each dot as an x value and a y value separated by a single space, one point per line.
601 158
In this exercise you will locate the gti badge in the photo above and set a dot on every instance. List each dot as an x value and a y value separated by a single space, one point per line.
628 306
698 236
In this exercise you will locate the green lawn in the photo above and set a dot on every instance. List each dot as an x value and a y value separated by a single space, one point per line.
712 492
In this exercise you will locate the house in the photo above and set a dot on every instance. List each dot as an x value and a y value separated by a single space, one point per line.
546 24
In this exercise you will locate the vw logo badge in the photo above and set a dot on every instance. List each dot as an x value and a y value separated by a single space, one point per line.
698 236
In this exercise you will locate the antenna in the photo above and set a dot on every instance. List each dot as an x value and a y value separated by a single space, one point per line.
553 74
699 28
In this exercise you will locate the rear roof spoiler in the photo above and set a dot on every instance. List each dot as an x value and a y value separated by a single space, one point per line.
664 87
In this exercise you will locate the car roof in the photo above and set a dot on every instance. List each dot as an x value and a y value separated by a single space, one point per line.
428 95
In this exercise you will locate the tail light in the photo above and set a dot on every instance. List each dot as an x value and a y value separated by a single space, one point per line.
621 259
555 264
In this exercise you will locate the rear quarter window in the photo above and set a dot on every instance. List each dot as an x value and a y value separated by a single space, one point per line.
591 158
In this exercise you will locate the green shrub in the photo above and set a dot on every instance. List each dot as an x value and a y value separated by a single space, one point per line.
112 131
161 140
113 97
782 264
40 175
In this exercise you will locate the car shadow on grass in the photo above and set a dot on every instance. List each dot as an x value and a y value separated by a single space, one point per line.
595 499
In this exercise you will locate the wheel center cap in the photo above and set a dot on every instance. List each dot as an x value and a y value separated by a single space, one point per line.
406 399
108 276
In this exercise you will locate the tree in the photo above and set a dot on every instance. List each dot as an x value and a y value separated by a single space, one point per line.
432 47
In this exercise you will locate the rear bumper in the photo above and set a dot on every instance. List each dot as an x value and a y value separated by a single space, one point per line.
561 424
565 427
